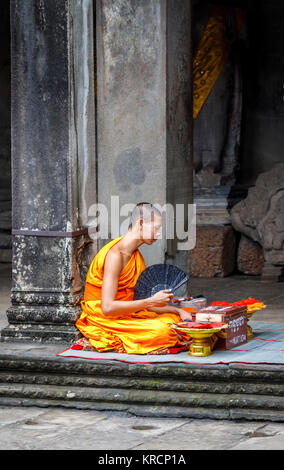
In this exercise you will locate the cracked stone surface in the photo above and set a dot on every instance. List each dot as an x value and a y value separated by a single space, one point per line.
34 428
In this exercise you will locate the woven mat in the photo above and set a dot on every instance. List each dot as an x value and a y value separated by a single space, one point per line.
267 347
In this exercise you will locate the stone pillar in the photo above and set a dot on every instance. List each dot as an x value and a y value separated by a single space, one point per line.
5 136
179 177
144 108
53 159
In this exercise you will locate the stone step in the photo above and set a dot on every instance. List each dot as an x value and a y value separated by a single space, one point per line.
40 333
5 255
32 375
150 410
5 240
158 397
5 206
172 404
5 220
5 224
142 383
5 194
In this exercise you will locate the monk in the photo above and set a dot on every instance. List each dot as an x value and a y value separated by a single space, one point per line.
110 318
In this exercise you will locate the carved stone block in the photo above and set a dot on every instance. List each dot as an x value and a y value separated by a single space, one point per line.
214 253
250 256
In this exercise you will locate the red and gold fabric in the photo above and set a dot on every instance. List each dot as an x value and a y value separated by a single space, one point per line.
212 53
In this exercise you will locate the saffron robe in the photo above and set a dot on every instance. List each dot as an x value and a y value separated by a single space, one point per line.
133 333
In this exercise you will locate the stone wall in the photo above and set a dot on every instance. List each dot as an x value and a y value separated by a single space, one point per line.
144 133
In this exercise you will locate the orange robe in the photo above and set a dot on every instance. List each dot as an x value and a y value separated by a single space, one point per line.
133 333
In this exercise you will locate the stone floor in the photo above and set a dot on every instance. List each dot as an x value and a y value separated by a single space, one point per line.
231 289
60 428
34 428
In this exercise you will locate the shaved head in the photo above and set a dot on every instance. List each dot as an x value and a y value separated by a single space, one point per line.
145 211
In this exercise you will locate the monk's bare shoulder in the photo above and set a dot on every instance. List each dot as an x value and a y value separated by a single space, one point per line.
114 260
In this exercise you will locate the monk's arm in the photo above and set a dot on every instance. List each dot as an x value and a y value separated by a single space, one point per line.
184 315
112 269
168 309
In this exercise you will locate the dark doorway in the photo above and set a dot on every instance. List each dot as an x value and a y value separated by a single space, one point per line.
257 57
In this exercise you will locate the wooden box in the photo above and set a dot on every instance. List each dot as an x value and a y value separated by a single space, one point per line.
234 316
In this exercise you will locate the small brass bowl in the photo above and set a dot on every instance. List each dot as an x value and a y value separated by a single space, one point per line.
202 339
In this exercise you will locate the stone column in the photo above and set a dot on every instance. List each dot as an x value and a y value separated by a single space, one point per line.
5 136
53 162
179 123
145 109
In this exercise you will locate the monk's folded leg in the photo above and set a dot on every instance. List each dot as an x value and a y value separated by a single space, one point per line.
148 335
133 336
145 335
169 319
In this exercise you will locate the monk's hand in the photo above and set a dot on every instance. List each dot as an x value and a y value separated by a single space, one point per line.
161 298
184 315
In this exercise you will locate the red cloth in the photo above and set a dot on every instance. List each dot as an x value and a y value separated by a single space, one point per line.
247 301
